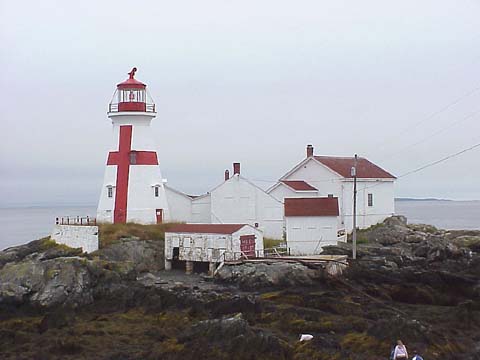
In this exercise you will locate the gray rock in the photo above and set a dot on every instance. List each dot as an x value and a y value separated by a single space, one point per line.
46 283
144 255
260 275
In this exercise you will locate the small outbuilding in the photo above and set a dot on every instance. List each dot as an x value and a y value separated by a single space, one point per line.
202 245
311 223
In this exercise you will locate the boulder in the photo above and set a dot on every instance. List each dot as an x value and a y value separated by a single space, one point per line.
144 255
46 283
260 275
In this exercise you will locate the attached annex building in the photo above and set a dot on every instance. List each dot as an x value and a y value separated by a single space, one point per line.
236 200
311 223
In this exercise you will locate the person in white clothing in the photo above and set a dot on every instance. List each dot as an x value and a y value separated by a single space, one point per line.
400 352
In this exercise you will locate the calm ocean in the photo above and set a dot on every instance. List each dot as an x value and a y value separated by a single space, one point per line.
21 225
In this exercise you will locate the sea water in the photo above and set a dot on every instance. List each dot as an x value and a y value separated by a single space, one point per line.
23 224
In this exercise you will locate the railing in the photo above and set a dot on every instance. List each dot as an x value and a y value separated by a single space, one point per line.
113 107
76 220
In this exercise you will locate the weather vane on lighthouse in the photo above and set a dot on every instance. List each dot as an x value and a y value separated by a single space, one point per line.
132 73
133 189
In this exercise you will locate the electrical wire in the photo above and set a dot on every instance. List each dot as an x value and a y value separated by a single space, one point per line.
431 164
439 131
432 115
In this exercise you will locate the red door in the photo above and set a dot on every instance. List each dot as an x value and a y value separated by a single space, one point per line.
159 214
247 245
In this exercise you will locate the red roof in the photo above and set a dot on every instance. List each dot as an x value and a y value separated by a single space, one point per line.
317 206
365 168
299 185
206 228
131 84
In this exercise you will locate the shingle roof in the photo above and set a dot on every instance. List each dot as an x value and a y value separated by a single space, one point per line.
299 185
206 228
365 168
317 206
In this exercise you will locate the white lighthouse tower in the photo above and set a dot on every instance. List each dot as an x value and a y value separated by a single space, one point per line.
133 189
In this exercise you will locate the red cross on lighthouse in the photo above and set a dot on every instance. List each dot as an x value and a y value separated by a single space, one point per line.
123 158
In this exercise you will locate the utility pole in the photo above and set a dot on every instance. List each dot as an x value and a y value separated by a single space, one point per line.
354 234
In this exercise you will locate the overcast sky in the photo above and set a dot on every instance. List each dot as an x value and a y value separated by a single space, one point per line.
249 81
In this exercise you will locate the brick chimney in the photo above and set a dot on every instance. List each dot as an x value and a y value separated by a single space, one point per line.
309 150
236 168
227 175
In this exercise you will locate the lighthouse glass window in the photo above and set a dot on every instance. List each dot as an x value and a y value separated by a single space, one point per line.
132 95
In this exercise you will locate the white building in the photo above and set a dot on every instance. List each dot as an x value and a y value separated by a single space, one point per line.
311 223
321 176
200 244
133 189
236 200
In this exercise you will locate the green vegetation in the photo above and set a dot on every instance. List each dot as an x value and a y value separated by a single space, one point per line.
272 243
364 344
111 233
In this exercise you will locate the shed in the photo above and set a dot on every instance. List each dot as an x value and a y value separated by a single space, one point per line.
311 223
211 244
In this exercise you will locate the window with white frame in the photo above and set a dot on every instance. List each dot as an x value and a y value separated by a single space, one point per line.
110 191
370 199
156 191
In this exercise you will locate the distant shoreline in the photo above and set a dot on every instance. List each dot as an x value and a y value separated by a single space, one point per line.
63 205
425 199
432 199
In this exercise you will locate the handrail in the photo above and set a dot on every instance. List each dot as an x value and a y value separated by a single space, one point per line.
76 220
113 107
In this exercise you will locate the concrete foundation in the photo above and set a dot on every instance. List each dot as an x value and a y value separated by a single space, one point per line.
188 267
168 265
76 236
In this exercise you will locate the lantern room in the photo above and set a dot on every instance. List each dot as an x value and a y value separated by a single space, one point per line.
131 95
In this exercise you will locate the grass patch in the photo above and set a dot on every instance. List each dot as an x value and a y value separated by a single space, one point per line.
111 233
363 343
272 243
47 243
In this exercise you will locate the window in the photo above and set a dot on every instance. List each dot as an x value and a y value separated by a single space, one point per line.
133 158
156 191
370 199
110 191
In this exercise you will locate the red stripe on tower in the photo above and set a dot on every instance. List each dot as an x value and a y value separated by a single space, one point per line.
123 158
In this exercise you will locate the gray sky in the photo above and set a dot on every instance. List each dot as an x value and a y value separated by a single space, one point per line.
248 81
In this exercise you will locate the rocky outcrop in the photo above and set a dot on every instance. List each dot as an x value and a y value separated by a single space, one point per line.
48 282
395 242
143 255
48 248
263 275
245 341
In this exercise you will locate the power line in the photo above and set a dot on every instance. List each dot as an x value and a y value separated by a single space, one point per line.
439 161
435 113
431 164
439 131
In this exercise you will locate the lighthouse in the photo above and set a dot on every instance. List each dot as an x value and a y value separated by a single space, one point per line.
133 189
